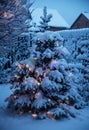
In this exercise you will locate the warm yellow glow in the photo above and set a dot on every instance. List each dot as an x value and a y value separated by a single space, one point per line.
8 15
49 113
54 62
34 115
15 96
37 95
16 76
38 83
20 66
49 99
27 66
30 69
21 112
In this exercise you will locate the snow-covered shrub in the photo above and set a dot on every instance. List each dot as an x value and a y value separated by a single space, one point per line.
73 39
43 85
77 42
82 57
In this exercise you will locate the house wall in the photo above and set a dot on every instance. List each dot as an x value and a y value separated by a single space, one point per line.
81 22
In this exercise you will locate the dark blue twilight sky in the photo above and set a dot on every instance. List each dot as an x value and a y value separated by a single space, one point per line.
69 9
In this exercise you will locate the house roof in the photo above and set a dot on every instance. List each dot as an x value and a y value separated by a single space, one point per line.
56 21
86 14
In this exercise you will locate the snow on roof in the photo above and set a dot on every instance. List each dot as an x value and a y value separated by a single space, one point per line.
86 14
56 21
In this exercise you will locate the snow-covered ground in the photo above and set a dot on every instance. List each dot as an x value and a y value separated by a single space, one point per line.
26 122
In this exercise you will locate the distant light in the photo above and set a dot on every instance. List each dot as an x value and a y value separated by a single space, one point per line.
27 66
20 66
34 115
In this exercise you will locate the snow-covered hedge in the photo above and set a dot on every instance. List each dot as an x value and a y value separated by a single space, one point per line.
72 38
77 42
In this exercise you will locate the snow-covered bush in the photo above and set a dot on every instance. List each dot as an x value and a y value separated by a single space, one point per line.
44 84
77 42
82 56
73 39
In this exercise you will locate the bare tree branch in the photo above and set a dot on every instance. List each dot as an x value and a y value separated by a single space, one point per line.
13 14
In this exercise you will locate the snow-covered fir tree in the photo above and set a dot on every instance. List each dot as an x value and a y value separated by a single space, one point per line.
43 85
45 19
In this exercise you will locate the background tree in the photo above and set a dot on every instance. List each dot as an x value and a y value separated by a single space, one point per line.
45 19
13 15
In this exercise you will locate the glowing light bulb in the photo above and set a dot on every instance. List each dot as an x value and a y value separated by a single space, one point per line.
30 69
27 66
37 95
34 115
20 66
16 76
15 96
21 113
49 99
38 83
49 113
70 74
